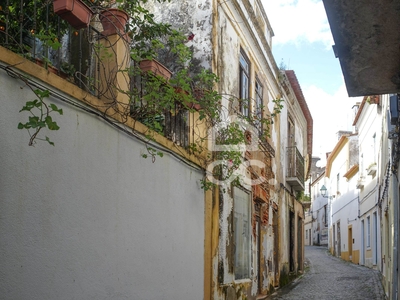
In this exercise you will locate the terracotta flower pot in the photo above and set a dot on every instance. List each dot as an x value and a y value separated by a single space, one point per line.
156 68
49 67
114 21
195 106
75 12
198 93
189 105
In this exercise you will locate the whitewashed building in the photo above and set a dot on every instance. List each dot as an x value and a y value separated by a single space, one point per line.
368 123
320 212
341 178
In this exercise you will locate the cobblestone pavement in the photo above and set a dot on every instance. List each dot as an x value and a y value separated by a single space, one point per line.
331 278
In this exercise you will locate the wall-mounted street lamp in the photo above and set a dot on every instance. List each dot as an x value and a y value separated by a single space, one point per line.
323 192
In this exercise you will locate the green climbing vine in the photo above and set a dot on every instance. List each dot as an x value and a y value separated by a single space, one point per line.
40 116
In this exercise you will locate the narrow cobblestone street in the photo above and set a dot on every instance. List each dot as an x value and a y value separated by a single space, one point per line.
330 278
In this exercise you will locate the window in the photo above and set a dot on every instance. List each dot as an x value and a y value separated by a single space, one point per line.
362 165
244 77
368 232
374 137
242 233
325 217
259 107
291 132
338 182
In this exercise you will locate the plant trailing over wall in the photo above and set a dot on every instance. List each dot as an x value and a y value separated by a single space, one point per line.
155 100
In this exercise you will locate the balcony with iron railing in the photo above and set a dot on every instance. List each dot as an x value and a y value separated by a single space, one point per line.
257 124
81 55
295 169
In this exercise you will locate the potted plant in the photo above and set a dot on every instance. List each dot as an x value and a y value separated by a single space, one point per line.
155 67
202 88
114 21
75 12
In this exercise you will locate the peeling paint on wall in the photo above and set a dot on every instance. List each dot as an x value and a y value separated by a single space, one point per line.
191 17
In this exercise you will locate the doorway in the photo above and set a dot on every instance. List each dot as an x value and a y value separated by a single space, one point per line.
334 240
375 239
258 244
300 245
350 241
362 243
339 250
291 241
275 229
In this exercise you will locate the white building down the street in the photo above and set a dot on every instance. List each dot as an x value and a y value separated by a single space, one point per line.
370 59
341 179
368 124
320 212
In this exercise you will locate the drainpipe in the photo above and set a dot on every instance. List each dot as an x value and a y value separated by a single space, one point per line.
395 199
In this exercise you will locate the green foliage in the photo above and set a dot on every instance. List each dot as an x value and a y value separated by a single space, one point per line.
68 69
49 39
302 198
38 20
40 116
206 184
153 153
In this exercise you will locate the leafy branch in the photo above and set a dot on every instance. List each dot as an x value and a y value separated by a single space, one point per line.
40 116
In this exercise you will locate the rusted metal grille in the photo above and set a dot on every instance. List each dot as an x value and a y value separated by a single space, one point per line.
295 164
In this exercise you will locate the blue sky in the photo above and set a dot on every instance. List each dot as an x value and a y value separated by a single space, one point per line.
303 41
313 63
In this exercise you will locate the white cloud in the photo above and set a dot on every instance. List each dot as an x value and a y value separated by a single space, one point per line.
302 22
296 21
330 114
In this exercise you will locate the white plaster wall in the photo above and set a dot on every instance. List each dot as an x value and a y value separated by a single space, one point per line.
369 124
91 219
345 205
370 134
307 227
387 206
